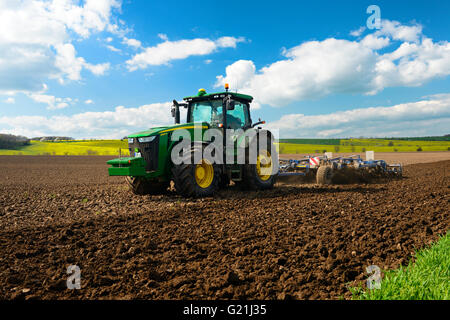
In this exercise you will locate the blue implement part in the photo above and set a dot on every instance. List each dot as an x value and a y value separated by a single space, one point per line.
303 166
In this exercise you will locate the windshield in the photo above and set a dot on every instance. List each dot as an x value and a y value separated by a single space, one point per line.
206 111
211 112
238 117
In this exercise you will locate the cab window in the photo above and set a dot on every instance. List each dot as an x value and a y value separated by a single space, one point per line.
238 118
206 111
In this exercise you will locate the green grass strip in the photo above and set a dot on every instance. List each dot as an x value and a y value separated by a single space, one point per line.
428 278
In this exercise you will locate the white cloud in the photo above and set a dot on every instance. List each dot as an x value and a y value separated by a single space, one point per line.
163 36
71 65
317 68
93 16
430 116
108 124
358 32
229 42
239 74
52 102
10 100
132 42
36 40
112 48
208 61
373 42
397 31
89 101
167 51
97 69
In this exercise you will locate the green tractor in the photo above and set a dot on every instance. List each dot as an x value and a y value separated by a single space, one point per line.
151 165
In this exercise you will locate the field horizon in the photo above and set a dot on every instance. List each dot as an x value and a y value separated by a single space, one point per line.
285 146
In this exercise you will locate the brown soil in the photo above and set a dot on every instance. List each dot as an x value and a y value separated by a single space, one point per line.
302 242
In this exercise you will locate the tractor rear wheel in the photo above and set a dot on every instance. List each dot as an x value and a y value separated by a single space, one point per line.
259 176
199 179
324 175
141 186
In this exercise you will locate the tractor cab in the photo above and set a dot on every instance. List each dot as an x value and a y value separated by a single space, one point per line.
219 110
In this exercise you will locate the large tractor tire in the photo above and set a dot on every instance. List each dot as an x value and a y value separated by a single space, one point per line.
196 180
141 186
324 175
259 176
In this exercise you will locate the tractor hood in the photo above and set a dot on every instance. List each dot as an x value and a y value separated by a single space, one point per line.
158 130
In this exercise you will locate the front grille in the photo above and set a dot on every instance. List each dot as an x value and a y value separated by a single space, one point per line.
148 150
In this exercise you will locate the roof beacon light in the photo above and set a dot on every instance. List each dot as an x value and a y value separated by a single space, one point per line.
227 86
201 92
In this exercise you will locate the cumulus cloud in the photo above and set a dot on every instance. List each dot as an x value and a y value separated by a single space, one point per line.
167 51
163 36
36 44
430 116
113 49
358 32
397 31
315 69
132 42
108 124
52 102
9 100
71 65
89 101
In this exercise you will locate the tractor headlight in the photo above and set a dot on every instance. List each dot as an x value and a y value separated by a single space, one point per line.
147 139
130 140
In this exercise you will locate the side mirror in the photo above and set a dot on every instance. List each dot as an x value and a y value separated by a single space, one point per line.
230 105
176 111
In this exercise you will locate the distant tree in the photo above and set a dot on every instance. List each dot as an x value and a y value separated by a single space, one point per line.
390 144
9 141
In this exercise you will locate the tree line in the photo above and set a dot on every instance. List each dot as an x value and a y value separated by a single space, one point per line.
9 141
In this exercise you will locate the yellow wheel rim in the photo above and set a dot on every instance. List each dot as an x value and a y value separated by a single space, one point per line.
204 174
264 165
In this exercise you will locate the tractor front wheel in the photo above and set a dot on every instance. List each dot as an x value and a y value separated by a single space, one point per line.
196 180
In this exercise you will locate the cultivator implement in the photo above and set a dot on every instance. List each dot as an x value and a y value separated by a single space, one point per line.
326 167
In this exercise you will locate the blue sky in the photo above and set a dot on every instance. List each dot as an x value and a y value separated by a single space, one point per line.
105 68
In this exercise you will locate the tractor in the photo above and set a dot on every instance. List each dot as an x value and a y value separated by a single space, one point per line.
247 155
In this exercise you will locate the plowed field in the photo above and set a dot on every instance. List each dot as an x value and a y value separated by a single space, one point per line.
298 241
